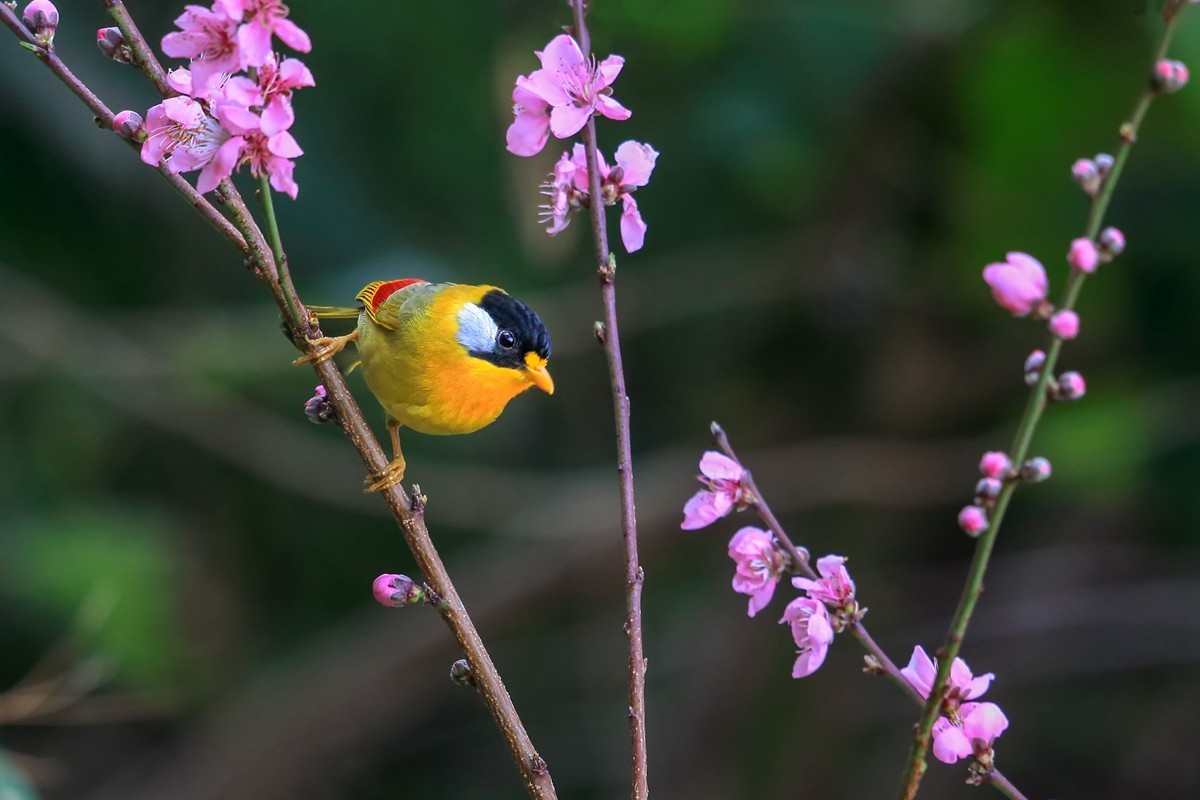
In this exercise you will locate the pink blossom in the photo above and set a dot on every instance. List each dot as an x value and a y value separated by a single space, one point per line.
834 587
1112 242
1065 324
530 128
262 18
180 130
921 672
128 125
722 476
1170 75
1035 470
759 565
396 590
995 464
272 91
1018 284
256 141
812 632
980 725
573 86
1083 255
635 162
973 520
565 198
1087 174
209 37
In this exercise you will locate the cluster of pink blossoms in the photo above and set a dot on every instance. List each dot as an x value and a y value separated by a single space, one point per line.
559 98
224 119
760 563
968 728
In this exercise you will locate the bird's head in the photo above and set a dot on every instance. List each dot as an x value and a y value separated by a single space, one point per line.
507 333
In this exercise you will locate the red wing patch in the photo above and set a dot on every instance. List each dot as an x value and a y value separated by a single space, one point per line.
373 294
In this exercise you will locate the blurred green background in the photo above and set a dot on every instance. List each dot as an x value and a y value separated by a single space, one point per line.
185 561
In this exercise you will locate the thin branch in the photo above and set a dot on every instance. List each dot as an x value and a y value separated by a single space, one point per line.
609 337
143 57
1034 408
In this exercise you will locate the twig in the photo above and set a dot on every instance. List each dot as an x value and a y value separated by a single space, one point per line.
610 339
533 768
143 57
1036 405
283 275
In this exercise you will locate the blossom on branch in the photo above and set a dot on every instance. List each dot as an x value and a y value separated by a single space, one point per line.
41 17
209 38
835 587
1018 284
812 632
180 130
722 476
759 566
979 725
921 672
263 18
561 96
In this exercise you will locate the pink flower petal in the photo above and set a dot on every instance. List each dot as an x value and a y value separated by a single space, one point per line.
222 166
636 160
291 35
920 671
544 85
761 599
561 54
254 40
278 117
611 108
720 467
284 145
568 120
280 171
633 228
1030 267
949 742
704 509
983 721
608 71
528 133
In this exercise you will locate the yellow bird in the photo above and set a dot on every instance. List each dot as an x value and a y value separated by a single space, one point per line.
441 358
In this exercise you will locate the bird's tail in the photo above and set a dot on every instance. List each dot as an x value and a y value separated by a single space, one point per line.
334 312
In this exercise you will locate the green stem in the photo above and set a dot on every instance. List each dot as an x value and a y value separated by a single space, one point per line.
1034 409
297 316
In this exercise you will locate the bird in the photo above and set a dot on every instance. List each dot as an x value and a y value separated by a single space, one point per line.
441 358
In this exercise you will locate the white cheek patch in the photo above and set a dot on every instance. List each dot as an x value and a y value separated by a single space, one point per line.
476 329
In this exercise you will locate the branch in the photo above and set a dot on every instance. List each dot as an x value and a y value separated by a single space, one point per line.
1034 409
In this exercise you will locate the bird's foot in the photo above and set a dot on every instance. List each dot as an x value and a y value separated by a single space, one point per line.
391 476
325 348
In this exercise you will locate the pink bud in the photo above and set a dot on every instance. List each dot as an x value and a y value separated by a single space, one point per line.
988 489
42 19
1071 386
1169 76
973 520
1018 284
128 125
1033 366
1083 255
113 45
995 464
397 590
1035 470
1112 243
1104 163
1065 324
1087 174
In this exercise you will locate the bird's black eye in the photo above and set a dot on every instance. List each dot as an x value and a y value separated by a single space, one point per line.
506 340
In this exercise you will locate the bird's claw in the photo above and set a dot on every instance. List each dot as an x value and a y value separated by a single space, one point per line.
391 476
325 348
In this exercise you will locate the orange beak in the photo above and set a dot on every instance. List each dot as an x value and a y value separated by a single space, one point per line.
535 370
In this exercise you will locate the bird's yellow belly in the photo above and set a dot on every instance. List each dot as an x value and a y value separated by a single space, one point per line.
431 387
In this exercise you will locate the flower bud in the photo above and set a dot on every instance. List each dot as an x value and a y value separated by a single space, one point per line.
1065 324
973 520
461 673
1071 386
1018 284
1033 366
1035 470
113 45
1087 174
397 590
995 464
1082 255
1112 243
318 409
128 125
1169 76
41 17
988 489
1104 163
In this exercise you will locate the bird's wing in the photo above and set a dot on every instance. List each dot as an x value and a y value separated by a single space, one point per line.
375 297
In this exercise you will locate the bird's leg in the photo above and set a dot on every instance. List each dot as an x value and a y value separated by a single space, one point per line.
326 348
393 473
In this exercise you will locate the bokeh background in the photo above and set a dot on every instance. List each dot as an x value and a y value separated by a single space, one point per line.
185 561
